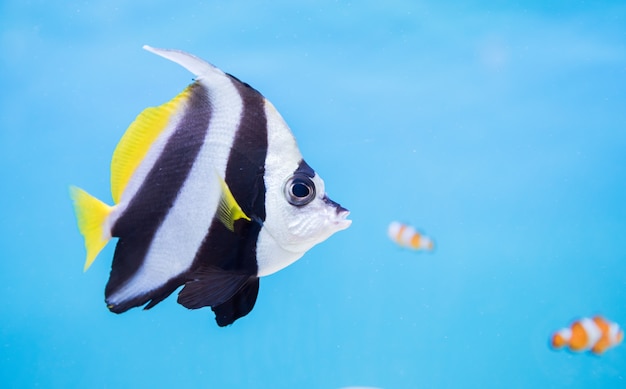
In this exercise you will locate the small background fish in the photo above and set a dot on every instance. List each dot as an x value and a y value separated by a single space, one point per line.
407 236
596 335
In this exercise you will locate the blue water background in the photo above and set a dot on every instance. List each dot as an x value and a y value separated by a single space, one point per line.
497 128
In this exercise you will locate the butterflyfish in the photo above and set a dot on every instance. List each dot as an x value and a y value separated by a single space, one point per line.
596 335
407 236
210 192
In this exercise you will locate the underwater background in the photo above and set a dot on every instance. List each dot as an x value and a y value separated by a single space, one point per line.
497 128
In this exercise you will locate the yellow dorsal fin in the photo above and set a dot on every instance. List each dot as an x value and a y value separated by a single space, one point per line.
137 140
91 215
229 210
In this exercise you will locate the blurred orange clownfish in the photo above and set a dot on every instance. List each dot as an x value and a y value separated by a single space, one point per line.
597 335
406 236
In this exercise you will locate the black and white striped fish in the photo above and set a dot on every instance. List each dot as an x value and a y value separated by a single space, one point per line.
210 193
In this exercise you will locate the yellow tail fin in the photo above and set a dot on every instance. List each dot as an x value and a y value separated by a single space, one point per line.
91 215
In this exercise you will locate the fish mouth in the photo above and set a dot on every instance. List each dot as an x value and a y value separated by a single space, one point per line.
341 220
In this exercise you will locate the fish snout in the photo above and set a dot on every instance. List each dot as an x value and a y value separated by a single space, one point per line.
341 213
338 208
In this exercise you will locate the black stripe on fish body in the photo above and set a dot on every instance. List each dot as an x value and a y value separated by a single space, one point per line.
230 251
137 226
246 163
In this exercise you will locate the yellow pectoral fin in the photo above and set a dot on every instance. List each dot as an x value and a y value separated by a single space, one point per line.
138 139
91 215
229 210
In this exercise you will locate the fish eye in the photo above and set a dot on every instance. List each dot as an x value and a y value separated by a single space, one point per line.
299 190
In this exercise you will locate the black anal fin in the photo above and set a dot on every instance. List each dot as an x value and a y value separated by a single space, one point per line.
210 287
238 305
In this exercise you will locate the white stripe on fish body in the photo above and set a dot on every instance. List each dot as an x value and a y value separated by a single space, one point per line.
173 249
406 236
426 243
283 157
402 234
566 334
614 331
393 231
594 333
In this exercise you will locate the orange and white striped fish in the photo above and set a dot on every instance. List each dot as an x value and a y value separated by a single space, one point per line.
407 236
596 335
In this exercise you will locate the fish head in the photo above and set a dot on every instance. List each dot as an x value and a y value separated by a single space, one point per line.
298 212
307 215
312 216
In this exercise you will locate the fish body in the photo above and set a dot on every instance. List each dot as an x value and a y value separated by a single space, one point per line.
596 335
407 236
211 193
